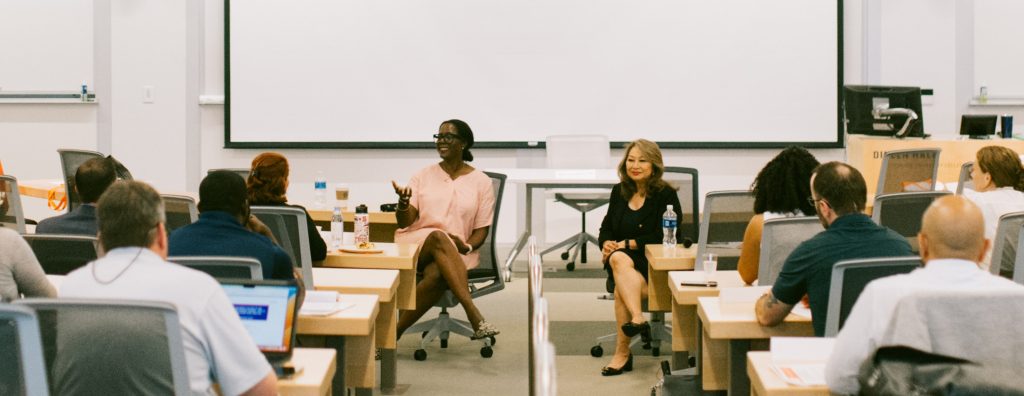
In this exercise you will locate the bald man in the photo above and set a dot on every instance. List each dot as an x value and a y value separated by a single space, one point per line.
952 241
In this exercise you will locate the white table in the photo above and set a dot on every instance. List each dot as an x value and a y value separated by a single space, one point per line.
546 178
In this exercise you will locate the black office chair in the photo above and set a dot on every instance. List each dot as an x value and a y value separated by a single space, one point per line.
1005 243
686 181
965 181
723 222
483 280
908 170
289 228
22 366
11 214
180 211
850 277
70 160
778 239
222 267
60 254
902 212
244 172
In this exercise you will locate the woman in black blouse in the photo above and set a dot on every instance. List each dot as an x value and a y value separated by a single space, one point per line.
267 184
634 220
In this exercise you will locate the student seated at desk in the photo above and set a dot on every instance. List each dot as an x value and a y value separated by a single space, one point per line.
952 245
635 210
998 184
20 272
92 178
446 208
268 185
839 196
781 189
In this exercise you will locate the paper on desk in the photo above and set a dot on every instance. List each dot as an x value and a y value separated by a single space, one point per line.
740 300
801 360
323 303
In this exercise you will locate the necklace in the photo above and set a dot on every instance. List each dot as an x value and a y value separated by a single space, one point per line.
102 282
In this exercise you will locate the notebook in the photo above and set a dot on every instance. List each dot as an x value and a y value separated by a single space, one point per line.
268 311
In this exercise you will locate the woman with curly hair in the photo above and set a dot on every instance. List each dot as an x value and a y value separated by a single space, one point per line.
268 184
780 189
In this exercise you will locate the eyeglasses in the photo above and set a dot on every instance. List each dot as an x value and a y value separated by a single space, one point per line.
445 137
812 201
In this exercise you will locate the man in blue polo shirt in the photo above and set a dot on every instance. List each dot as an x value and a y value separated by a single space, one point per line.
839 195
221 229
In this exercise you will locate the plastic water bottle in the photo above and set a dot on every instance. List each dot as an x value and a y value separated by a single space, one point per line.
668 228
320 191
337 228
361 225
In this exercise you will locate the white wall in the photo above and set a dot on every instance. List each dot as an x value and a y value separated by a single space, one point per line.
176 47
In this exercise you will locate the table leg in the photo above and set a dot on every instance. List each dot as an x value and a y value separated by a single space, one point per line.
715 360
516 249
684 317
739 383
338 382
360 367
387 321
406 289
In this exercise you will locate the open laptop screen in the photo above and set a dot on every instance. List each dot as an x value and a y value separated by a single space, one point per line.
267 309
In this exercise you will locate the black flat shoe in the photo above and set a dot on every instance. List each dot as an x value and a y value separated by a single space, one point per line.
609 371
631 329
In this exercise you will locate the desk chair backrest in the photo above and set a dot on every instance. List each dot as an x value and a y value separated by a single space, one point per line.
22 367
289 227
122 347
70 160
965 180
1005 242
722 224
244 172
578 152
181 211
223 267
60 254
489 269
11 214
902 212
908 170
686 181
778 239
981 326
850 277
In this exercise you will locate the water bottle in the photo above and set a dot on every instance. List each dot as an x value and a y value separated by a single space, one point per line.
337 228
320 191
668 228
361 225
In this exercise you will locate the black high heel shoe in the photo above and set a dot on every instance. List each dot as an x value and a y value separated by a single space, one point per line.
631 329
609 371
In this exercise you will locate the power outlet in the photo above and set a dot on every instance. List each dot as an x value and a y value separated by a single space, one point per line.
147 94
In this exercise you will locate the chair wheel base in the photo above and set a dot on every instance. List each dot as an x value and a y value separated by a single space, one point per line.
420 355
655 351
570 267
597 351
444 343
565 255
486 352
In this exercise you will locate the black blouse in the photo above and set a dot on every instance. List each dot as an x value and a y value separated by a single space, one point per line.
647 226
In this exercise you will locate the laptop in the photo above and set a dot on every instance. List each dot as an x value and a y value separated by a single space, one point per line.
268 310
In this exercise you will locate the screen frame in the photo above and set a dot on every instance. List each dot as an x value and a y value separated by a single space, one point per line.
295 312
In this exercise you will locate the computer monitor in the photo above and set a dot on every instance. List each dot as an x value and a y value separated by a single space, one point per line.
978 126
268 311
882 111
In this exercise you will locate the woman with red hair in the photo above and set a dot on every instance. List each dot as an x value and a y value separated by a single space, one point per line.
268 185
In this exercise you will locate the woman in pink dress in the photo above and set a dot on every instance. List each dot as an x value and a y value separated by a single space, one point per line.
447 209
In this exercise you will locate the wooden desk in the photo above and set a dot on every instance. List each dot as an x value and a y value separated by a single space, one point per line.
40 188
765 382
401 257
383 284
318 368
685 328
351 333
382 224
659 297
726 340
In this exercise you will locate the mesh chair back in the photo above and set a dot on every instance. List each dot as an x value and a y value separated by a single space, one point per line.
577 151
60 254
965 178
902 212
222 267
488 270
121 347
289 224
1004 245
908 170
779 238
244 172
181 211
70 160
850 277
686 181
22 369
11 215
723 221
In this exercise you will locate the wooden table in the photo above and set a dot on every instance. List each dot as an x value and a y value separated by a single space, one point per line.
351 333
383 284
40 188
685 328
726 340
765 382
318 368
659 297
382 224
401 257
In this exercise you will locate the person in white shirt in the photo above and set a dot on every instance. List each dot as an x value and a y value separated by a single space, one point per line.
998 184
952 244
218 349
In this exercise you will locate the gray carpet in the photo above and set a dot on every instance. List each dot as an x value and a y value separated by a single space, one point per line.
577 338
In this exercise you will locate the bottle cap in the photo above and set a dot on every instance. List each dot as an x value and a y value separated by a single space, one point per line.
669 207
361 209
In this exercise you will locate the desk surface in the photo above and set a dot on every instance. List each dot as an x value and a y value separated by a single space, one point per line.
324 215
382 283
740 322
765 382
395 256
679 259
318 367
687 295
39 188
352 321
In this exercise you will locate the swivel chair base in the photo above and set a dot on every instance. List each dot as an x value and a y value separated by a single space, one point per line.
442 327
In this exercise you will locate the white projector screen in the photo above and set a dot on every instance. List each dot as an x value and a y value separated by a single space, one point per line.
684 73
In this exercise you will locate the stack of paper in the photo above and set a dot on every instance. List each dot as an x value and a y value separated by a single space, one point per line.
323 303
801 360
